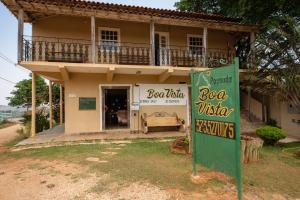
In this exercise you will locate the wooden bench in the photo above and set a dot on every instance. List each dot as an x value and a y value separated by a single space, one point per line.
160 119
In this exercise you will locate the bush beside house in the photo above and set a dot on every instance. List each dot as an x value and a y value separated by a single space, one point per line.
42 121
270 134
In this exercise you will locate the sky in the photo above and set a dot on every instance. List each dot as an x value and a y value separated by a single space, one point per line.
8 43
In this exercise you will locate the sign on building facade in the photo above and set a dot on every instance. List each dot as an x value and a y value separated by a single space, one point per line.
163 94
216 120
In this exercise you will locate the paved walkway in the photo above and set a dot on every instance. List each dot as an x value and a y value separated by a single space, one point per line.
59 136
289 140
9 133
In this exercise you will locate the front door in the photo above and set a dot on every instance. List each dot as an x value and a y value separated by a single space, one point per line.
115 107
162 53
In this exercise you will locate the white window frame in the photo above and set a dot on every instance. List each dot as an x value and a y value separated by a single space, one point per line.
108 29
167 35
188 40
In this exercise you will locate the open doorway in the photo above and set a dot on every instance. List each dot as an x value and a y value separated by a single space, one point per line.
115 107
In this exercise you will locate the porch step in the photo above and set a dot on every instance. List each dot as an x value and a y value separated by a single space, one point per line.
249 125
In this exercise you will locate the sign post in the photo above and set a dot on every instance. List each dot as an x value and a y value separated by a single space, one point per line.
216 120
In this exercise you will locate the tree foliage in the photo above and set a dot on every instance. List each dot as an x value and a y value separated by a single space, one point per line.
21 95
251 11
277 45
278 54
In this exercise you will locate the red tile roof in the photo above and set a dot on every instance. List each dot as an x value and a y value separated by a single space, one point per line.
35 12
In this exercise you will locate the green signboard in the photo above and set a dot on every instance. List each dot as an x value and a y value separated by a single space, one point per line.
216 120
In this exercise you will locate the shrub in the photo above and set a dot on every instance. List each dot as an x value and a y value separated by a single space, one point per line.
24 132
272 122
270 134
41 119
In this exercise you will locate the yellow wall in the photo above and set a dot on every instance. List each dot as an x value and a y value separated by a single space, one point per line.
255 106
87 85
63 27
278 111
131 32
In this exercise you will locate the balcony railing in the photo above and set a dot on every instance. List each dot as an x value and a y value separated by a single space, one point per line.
56 50
124 53
80 51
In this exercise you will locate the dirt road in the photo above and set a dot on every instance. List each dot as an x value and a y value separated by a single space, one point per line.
9 133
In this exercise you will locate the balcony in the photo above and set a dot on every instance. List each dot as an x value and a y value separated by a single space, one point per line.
80 51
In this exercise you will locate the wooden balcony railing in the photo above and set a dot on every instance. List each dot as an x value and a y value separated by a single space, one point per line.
183 57
124 53
80 51
56 50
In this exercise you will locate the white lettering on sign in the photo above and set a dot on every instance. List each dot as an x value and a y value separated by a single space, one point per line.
163 94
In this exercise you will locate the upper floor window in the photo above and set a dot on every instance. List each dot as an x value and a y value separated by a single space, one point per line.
109 38
195 44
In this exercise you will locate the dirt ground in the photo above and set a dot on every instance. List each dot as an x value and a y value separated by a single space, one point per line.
9 133
32 179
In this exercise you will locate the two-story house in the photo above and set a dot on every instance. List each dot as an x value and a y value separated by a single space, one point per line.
117 63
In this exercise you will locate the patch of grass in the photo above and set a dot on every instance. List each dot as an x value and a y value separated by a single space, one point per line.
151 161
74 153
277 171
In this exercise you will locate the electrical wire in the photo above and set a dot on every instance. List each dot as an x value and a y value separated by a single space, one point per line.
12 62
7 80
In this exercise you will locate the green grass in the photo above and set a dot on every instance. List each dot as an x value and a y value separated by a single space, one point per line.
277 171
151 161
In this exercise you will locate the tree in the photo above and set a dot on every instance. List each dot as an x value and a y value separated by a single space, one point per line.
55 101
249 11
21 95
277 46
278 58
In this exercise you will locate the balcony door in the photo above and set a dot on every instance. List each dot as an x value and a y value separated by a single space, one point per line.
162 54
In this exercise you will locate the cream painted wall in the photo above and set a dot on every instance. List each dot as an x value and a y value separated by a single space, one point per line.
131 32
255 106
63 27
87 85
275 111
292 128
278 112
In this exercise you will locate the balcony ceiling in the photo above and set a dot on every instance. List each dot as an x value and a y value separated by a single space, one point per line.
103 68
60 72
38 9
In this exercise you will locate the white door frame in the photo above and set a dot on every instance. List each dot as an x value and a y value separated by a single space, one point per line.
167 35
100 102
